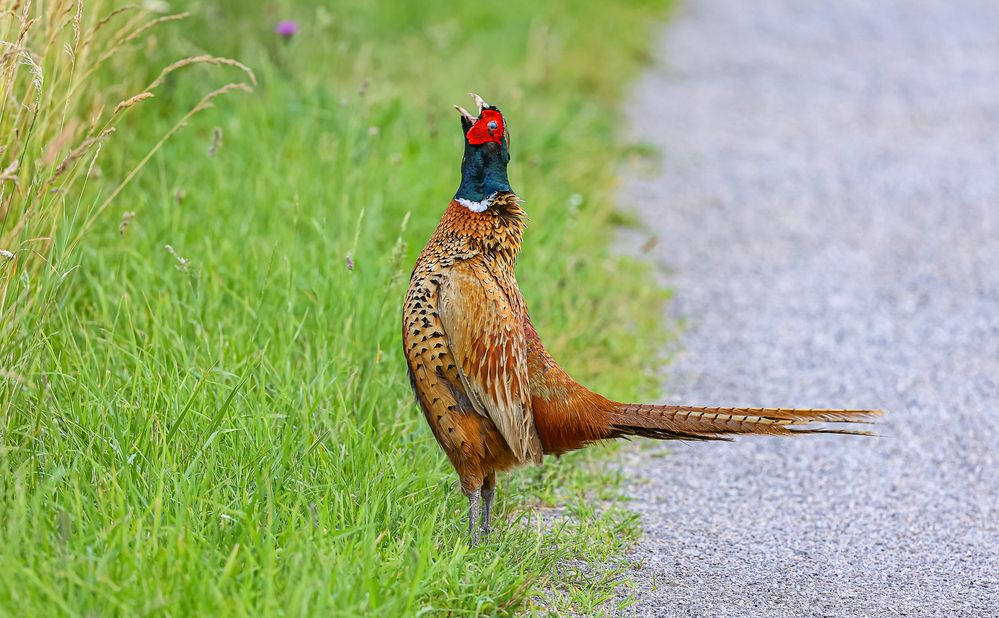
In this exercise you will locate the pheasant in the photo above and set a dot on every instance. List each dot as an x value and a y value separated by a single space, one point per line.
493 396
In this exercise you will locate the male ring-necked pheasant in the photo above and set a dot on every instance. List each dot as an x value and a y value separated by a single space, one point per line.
493 396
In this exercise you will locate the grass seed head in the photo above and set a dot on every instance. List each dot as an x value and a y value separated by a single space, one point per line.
216 142
126 219
183 264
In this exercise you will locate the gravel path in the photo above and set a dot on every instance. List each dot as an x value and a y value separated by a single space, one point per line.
828 213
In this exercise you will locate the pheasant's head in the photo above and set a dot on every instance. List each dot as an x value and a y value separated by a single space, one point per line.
487 152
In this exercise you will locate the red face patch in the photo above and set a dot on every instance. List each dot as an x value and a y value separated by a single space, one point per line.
488 128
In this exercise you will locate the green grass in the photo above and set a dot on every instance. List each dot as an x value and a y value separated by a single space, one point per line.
227 429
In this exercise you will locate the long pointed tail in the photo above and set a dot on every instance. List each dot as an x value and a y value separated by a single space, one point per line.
671 422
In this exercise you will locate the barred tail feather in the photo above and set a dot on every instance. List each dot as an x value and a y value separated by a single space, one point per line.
672 422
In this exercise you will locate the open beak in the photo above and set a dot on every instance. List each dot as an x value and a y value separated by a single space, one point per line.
479 102
466 115
467 119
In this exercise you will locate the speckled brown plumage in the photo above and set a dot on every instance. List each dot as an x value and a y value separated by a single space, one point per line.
468 364
493 396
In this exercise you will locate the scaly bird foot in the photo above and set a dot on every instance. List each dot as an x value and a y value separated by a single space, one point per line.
487 509
474 503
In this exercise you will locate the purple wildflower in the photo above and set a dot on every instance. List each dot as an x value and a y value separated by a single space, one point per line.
287 28
350 263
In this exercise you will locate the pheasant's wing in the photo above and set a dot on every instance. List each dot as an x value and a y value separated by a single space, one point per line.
482 313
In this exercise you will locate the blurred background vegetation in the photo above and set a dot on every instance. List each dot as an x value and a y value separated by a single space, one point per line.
204 406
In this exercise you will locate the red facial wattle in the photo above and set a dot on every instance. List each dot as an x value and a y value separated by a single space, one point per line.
488 128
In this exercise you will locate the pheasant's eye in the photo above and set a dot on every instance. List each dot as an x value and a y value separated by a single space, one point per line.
492 125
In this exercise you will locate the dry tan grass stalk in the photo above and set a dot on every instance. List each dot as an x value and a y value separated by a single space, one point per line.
26 59
125 35
76 22
26 25
206 101
42 116
56 14
10 173
203 104
11 269
56 144
129 102
46 185
103 22
79 151
204 59
93 161
152 24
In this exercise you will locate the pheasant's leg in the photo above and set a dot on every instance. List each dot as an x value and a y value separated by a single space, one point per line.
473 514
488 492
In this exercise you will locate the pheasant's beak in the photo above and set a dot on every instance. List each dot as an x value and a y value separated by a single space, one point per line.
487 126
479 102
467 120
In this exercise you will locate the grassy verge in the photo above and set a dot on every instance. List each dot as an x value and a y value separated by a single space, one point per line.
225 426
